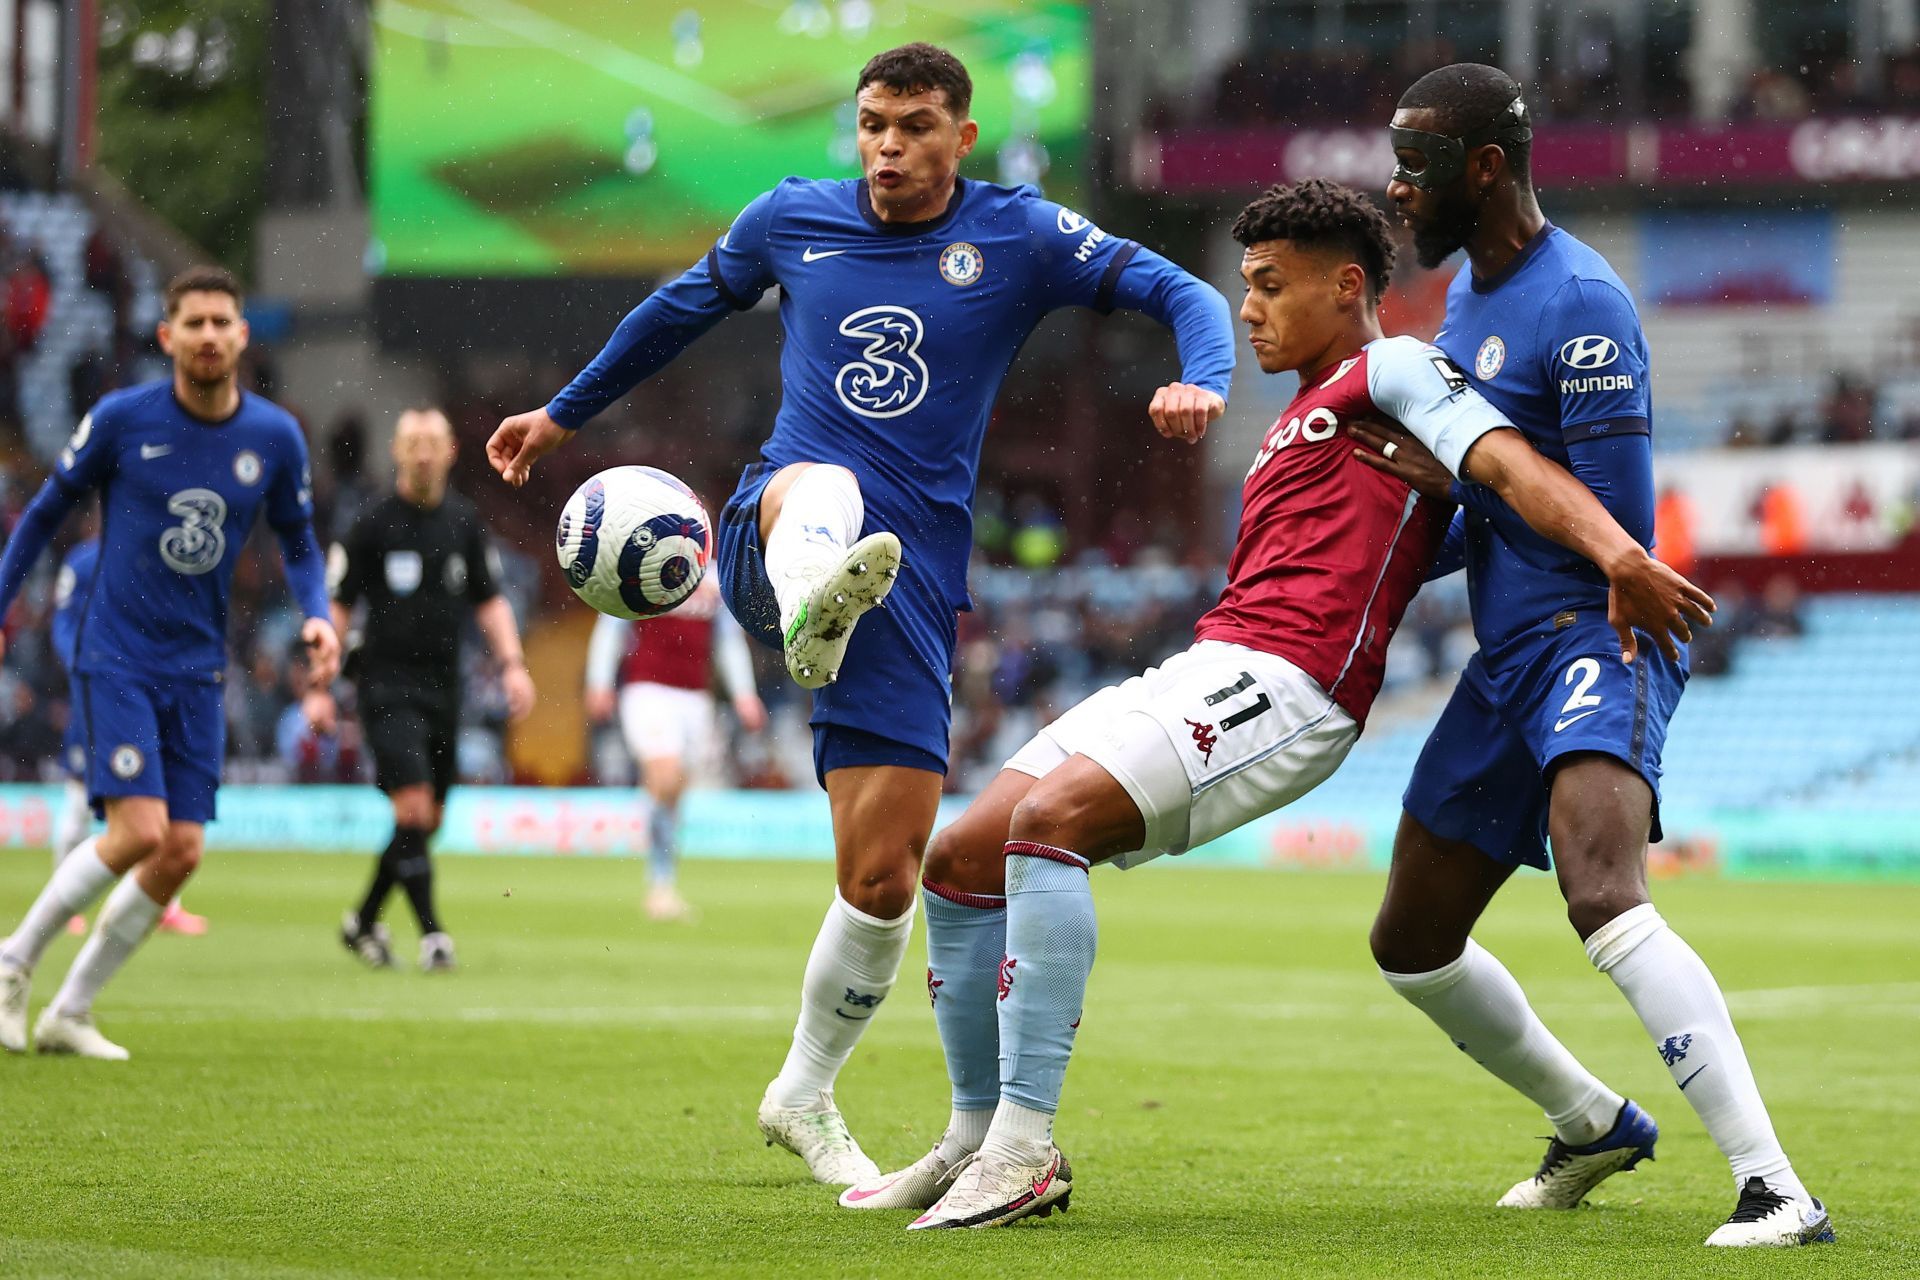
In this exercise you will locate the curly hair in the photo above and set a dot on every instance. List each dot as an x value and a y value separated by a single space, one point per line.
1320 214
920 68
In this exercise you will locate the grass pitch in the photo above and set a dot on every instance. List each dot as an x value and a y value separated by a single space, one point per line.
1248 1098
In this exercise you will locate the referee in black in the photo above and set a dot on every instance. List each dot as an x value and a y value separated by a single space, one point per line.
419 560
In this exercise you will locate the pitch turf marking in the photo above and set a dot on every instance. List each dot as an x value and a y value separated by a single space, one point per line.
610 59
1866 998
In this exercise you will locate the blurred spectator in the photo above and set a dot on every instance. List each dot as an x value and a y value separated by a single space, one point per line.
1782 519
1674 525
1711 653
1778 614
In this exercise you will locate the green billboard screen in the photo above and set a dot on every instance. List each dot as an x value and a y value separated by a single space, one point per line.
618 137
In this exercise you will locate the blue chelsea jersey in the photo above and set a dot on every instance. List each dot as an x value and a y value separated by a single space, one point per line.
898 335
71 588
1554 342
178 498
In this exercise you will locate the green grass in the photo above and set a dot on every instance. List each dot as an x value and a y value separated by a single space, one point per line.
578 1100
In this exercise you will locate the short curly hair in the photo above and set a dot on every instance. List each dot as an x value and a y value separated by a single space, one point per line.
920 68
1324 215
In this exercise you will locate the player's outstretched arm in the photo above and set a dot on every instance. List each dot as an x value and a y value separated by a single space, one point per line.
1645 594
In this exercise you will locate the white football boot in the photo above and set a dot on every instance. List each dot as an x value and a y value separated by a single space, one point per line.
1568 1172
58 1033
991 1191
14 986
436 954
818 1135
1765 1218
817 632
918 1186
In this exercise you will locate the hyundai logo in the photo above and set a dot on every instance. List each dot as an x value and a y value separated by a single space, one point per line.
1590 352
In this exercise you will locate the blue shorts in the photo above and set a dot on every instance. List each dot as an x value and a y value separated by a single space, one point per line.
1483 776
893 702
148 737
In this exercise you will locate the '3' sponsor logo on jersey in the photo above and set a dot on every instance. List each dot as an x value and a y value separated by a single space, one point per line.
889 378
195 545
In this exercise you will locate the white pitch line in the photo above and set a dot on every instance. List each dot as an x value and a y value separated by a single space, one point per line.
590 50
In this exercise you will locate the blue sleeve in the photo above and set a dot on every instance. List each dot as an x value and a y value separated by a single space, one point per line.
1201 322
732 276
1619 470
290 495
1597 356
1452 556
1477 498
31 534
306 569
1078 264
88 459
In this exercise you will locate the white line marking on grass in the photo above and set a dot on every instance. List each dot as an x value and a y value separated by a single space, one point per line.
604 56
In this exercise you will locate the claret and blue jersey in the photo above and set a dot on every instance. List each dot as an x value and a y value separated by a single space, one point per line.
1554 342
897 339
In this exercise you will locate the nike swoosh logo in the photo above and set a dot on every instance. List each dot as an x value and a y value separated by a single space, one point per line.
850 1018
810 254
1040 1185
148 452
1558 725
857 1196
1689 1079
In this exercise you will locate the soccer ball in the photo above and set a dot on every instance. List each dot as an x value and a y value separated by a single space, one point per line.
634 542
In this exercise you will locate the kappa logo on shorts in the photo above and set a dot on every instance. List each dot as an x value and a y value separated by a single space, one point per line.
1205 739
1006 976
126 762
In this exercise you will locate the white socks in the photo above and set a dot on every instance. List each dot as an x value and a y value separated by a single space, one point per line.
1484 1012
77 881
819 519
1019 1133
75 819
124 924
854 962
1682 1008
966 1131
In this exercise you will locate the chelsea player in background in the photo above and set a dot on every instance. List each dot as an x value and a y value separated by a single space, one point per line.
1551 732
905 296
183 468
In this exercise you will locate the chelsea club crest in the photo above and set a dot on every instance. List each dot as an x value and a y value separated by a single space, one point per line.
961 264
1493 354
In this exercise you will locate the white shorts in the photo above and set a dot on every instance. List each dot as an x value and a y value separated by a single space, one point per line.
1208 741
660 721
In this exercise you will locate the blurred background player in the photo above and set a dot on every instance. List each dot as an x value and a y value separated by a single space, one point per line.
421 563
1550 733
663 670
905 296
1260 710
75 819
183 468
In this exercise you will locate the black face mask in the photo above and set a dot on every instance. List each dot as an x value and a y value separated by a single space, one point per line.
1445 158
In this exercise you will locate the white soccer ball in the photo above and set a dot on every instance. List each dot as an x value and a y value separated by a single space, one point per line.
634 542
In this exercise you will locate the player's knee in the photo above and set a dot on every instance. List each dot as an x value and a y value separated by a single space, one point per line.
968 857
179 858
141 834
881 890
1049 815
1591 907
